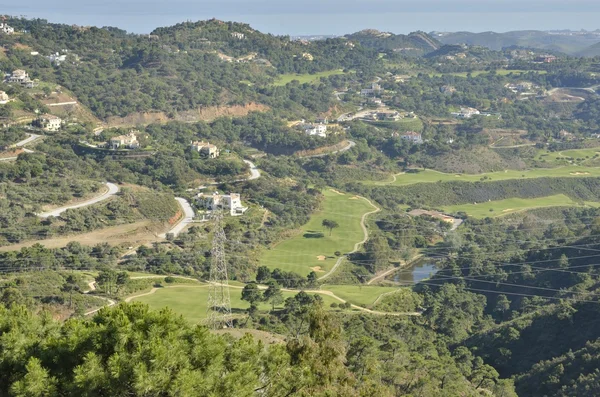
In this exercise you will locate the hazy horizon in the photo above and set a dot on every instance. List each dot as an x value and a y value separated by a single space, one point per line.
324 17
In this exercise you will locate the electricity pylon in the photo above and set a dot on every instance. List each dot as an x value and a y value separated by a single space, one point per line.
219 300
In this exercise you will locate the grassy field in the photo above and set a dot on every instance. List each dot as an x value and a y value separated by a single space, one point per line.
300 253
580 156
430 176
508 206
304 78
191 302
359 295
500 72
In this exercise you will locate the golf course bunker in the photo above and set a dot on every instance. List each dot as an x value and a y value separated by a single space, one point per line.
317 269
321 257
580 173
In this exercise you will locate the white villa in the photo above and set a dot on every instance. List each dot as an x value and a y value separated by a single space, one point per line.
412 136
4 28
128 141
20 77
231 202
466 113
206 149
49 122
4 98
315 130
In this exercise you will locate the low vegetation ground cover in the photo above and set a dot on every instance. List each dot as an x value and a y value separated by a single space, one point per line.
431 176
313 248
304 78
511 205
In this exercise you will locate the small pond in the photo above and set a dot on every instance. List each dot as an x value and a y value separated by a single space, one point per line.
417 272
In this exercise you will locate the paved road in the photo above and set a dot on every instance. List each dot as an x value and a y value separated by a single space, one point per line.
31 138
188 218
112 190
254 172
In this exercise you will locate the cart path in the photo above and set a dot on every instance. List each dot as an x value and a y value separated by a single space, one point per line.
357 245
112 190
262 287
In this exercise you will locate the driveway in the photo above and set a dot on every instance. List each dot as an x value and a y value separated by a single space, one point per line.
112 190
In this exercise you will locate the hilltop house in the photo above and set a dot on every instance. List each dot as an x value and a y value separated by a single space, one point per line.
237 35
412 136
20 77
57 58
466 113
315 130
4 28
206 149
49 122
4 98
128 141
231 202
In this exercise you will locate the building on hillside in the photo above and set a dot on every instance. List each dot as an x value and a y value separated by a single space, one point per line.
389 116
566 135
545 58
412 136
20 77
206 149
447 89
128 141
466 113
374 90
4 98
49 122
4 28
57 58
231 202
321 120
237 35
315 130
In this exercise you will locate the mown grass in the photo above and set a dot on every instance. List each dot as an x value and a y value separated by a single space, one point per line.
431 176
304 78
511 205
191 301
500 72
580 156
299 253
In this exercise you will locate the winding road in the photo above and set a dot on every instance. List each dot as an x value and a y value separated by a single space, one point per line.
357 245
112 190
31 138
188 218
349 146
254 172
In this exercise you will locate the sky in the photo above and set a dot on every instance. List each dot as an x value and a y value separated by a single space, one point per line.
322 17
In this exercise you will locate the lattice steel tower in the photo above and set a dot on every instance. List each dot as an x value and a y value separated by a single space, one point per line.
219 300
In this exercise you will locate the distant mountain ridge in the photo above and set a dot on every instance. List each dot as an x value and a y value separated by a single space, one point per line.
568 42
417 42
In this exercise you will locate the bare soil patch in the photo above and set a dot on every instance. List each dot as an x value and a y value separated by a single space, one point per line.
133 234
189 116
337 192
